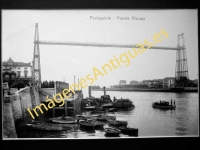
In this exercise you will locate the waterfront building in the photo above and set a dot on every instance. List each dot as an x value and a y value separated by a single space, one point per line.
133 82
195 82
155 83
122 82
192 83
168 82
144 82
16 72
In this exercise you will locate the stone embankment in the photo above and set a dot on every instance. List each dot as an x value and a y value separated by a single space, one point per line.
8 122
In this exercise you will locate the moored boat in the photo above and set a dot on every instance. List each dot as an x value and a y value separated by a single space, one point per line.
98 112
106 117
44 127
126 104
102 118
81 117
163 105
129 131
64 120
81 120
98 124
95 116
111 117
117 123
86 125
112 131
112 109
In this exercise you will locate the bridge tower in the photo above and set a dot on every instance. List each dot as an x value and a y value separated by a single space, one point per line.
36 59
181 72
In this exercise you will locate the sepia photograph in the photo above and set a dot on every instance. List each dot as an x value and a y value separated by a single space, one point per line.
99 74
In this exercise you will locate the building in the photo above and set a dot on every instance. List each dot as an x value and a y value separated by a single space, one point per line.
122 82
195 82
16 72
133 82
155 83
144 82
168 82
192 83
95 86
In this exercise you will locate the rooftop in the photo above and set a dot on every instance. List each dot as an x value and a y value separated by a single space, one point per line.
10 62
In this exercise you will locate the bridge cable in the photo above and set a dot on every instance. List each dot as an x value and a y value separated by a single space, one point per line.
18 32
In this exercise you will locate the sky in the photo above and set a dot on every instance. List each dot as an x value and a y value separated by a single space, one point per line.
61 62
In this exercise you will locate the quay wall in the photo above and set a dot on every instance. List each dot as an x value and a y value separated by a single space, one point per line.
34 92
20 102
9 130
15 113
27 97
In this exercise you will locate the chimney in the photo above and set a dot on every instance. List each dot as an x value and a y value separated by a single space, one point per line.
89 90
104 89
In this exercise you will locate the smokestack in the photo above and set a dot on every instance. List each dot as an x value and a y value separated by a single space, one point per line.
89 90
104 89
78 82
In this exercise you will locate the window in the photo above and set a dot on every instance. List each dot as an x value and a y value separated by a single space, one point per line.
25 73
18 68
6 76
18 73
25 68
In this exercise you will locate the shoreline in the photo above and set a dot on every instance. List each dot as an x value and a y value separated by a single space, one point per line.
146 90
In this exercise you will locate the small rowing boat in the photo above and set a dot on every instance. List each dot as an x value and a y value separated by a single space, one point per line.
117 123
106 117
86 124
102 118
129 131
64 120
112 131
112 110
44 127
98 124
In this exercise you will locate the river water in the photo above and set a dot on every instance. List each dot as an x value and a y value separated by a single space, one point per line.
151 122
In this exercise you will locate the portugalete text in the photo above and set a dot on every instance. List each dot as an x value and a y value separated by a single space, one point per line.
100 18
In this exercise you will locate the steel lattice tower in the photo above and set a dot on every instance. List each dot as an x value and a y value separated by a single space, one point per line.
36 58
181 73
